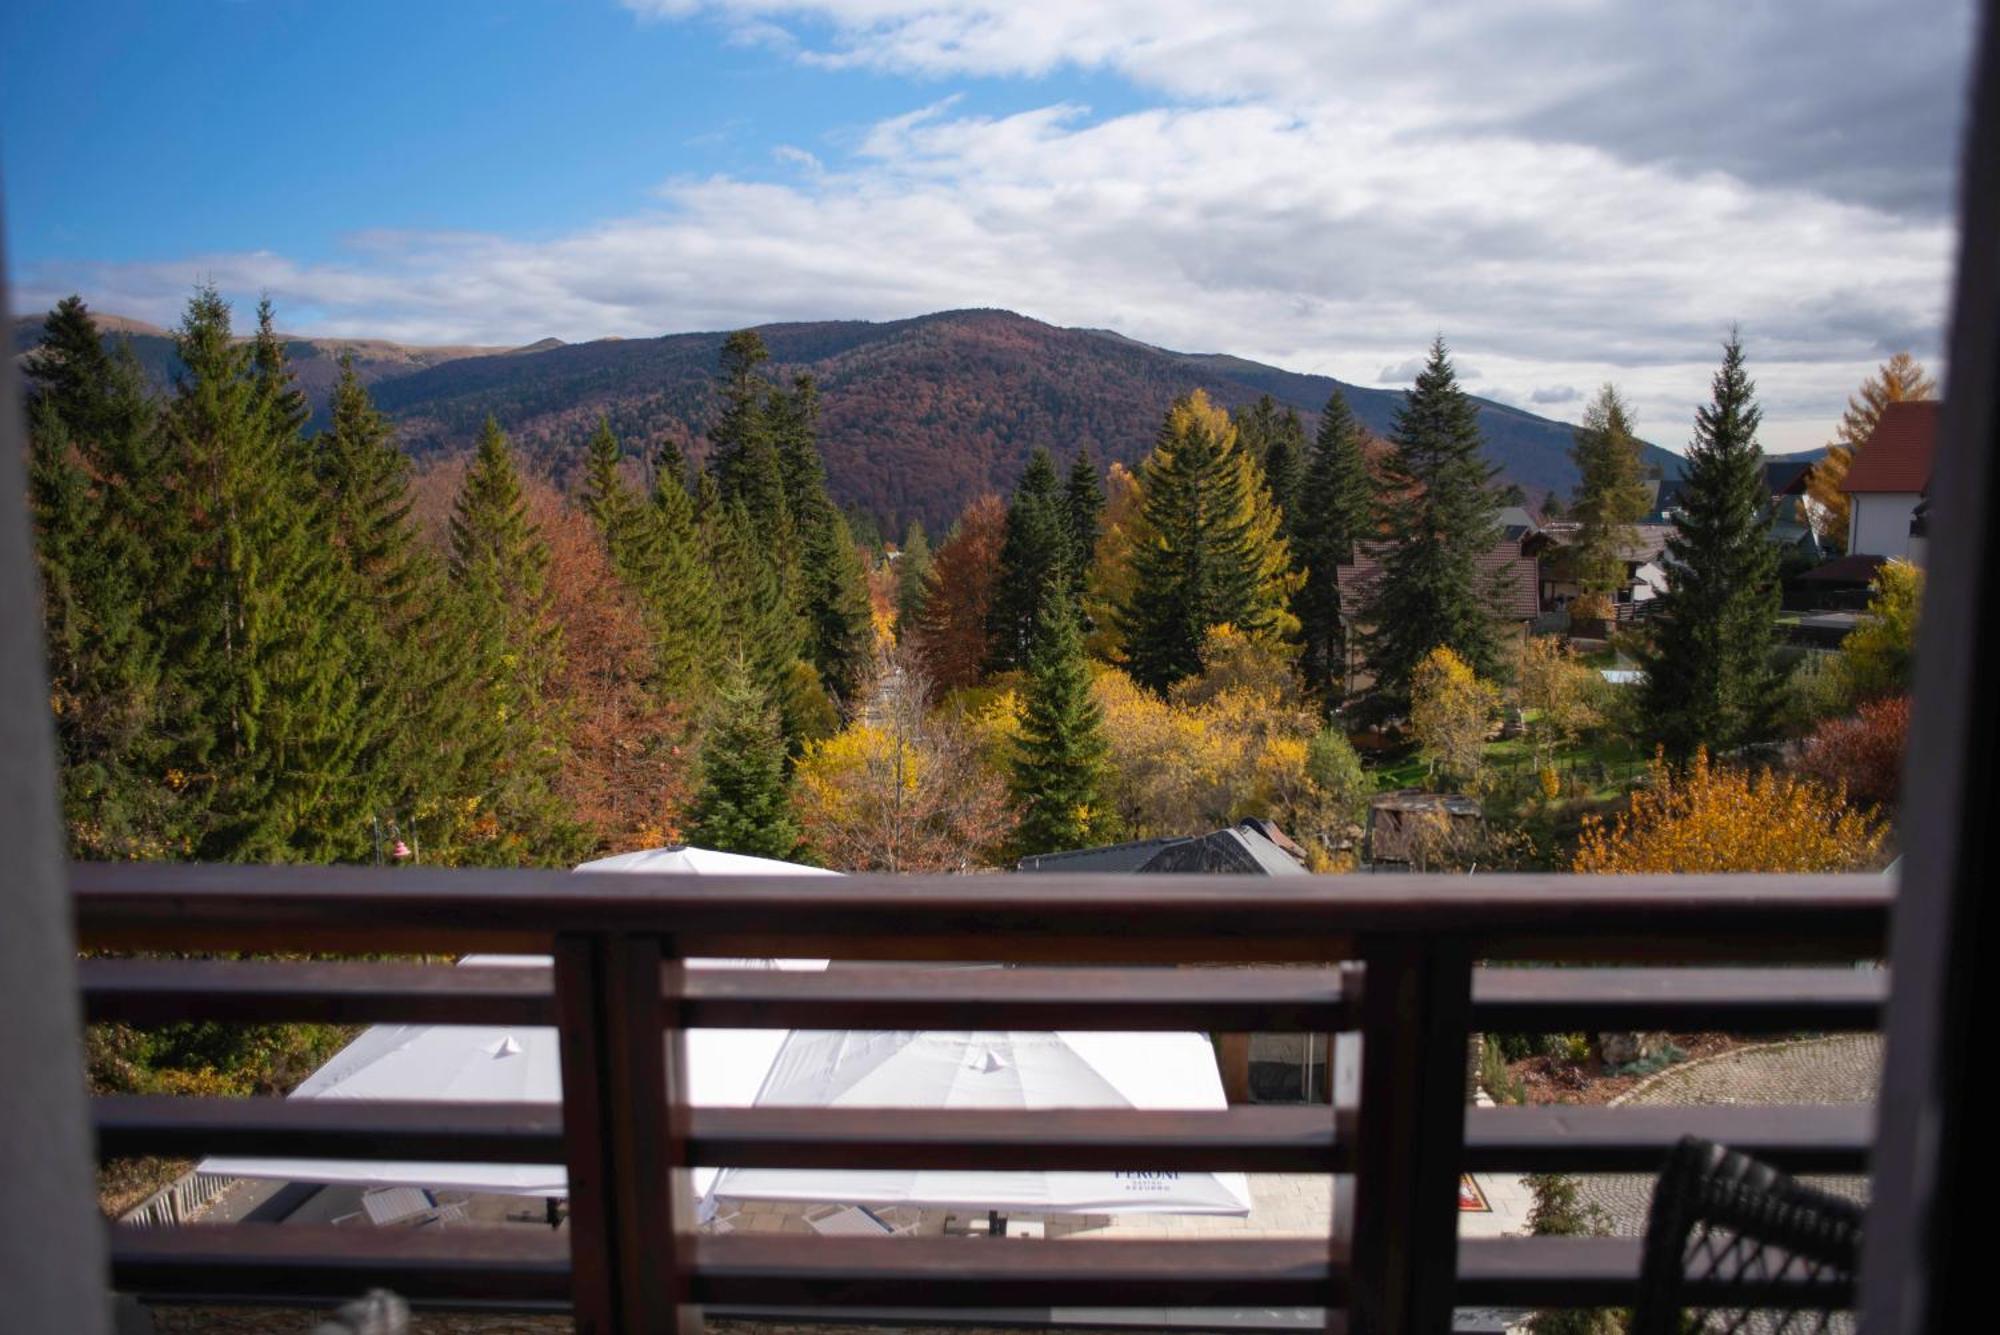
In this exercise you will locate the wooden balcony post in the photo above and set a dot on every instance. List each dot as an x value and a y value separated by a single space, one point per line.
1416 1000
625 1128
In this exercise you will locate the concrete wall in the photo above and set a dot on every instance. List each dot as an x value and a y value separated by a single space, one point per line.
1878 523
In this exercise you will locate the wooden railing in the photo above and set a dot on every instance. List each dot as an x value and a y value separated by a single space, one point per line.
1393 960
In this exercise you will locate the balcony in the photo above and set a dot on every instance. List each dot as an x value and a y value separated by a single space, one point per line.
1397 961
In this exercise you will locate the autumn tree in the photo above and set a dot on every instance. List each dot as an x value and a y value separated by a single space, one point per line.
1451 711
1861 753
1057 781
1709 680
1207 550
902 788
1035 559
1333 515
1611 496
1897 380
1877 658
1108 583
1710 818
743 804
950 634
1435 517
1557 695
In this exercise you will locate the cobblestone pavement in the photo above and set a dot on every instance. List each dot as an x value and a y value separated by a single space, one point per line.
1846 1069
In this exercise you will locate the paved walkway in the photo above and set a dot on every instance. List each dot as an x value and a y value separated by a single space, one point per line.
1845 1069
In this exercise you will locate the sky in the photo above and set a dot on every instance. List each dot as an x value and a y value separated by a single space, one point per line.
1571 192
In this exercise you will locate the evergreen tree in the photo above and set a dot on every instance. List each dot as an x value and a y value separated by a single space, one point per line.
1083 504
913 568
1897 380
93 489
681 595
1611 494
1034 558
1277 441
274 739
1709 680
499 566
762 628
831 583
1207 548
745 461
744 802
1435 514
1333 515
1058 770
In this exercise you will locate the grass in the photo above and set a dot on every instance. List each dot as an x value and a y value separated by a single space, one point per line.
1620 758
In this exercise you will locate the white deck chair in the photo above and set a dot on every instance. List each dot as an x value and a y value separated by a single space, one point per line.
856 1221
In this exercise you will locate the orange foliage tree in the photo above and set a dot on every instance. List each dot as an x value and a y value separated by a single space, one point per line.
950 638
1864 752
624 774
1709 818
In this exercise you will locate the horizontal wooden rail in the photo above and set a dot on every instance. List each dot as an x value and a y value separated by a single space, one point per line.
1637 1139
1255 1139
163 991
531 1266
1730 1000
1067 919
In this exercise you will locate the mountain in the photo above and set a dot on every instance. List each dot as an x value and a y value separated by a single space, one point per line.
918 416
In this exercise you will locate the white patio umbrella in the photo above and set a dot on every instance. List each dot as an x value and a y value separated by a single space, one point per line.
504 1064
992 1069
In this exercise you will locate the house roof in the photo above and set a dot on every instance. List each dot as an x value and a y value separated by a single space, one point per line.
1252 848
1897 455
1513 553
1856 569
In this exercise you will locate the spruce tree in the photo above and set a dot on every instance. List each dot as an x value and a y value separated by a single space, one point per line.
1034 558
682 596
760 626
277 728
1709 680
744 802
1611 494
913 568
1333 515
1435 514
1207 549
1083 504
1277 441
1057 779
745 460
499 567
826 570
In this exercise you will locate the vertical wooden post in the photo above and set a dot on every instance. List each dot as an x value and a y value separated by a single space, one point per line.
625 1128
1232 1053
1416 1001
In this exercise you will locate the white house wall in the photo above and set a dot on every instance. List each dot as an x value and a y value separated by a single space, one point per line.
1879 523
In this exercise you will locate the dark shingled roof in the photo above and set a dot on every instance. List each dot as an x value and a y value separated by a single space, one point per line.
1523 601
1897 455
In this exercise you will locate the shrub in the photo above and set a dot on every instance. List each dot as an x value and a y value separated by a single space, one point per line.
1864 752
1712 819
1877 654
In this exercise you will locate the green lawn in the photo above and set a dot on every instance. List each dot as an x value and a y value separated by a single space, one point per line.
1621 761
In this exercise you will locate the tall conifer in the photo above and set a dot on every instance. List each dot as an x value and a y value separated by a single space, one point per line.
1611 494
913 568
1058 776
744 802
1083 505
1333 514
1709 680
1034 558
1435 514
1207 548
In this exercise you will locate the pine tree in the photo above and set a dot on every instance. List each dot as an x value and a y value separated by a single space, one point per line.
275 741
745 462
761 627
499 567
93 486
682 596
1277 441
1435 514
744 802
826 570
1611 494
1034 558
1897 380
913 568
1709 680
1207 548
1057 780
1083 505
1333 515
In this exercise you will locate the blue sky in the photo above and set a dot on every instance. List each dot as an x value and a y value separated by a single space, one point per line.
1573 192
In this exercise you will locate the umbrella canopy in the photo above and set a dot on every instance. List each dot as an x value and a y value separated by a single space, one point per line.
1000 1070
501 1064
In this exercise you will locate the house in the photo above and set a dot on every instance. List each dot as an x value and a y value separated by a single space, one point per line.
1513 563
1645 577
1789 506
1888 480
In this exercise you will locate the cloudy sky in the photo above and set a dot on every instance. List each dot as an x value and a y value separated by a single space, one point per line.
1570 191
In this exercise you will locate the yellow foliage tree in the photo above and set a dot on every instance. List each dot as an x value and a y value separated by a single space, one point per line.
1556 694
1897 379
1877 657
1108 583
1710 819
1451 710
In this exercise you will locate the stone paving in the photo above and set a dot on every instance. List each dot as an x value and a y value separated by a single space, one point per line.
1845 1069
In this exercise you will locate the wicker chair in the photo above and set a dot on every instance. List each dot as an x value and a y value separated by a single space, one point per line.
1726 1229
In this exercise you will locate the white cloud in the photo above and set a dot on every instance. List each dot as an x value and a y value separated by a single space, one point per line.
1327 194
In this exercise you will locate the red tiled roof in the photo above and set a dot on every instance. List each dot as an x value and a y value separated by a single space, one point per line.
1897 456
